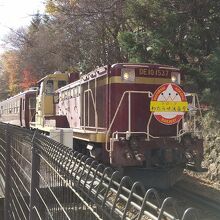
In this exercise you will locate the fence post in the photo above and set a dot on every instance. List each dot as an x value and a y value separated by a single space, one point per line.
34 178
7 173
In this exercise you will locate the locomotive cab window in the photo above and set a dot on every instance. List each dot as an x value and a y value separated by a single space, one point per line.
61 83
49 88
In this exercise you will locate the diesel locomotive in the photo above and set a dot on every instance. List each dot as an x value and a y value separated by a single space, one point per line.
135 117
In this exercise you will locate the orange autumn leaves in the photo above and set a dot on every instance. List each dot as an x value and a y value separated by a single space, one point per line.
17 78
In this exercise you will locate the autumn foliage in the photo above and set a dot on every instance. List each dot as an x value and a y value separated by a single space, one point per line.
28 79
16 77
10 65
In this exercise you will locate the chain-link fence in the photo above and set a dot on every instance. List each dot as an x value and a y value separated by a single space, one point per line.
42 179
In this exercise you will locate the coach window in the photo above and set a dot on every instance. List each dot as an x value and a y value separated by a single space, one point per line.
13 107
23 101
17 105
61 83
10 109
32 103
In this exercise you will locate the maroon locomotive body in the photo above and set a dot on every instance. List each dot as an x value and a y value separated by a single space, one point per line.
20 109
109 112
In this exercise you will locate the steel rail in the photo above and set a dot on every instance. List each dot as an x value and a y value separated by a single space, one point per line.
198 199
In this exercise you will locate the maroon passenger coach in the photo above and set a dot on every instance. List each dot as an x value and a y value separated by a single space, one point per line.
20 109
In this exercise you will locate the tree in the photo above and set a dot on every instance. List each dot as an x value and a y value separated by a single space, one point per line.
3 85
90 31
211 92
10 65
177 32
28 79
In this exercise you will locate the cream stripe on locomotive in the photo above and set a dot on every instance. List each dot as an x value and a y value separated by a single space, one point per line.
138 80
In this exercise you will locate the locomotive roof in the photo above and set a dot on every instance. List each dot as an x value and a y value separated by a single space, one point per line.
51 75
144 64
100 71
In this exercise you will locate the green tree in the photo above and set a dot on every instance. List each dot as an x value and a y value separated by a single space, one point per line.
177 32
211 93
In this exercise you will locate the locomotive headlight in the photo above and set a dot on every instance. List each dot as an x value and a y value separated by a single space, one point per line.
175 77
128 75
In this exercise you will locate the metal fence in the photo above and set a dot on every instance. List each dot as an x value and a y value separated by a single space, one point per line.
42 179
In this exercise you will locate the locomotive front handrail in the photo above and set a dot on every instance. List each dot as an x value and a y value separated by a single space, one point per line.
179 133
193 109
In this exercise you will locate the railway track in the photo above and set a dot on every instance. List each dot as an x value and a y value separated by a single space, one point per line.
204 199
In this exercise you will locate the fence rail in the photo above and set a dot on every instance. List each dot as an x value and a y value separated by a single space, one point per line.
42 179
